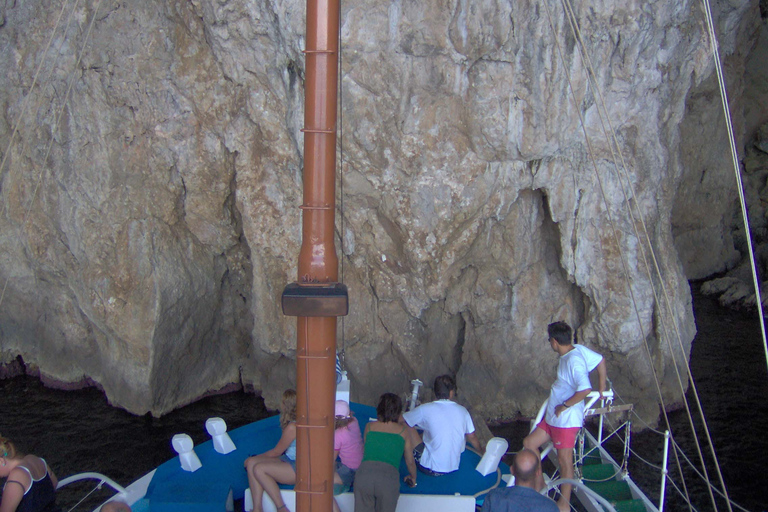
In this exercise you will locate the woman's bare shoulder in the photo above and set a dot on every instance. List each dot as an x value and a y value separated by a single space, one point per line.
35 465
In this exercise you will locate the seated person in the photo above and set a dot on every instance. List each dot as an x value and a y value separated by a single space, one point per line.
277 465
523 496
347 447
447 428
30 484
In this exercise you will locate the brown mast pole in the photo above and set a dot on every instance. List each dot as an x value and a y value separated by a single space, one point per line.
317 299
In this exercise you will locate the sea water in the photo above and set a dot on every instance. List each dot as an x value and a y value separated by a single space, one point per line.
77 431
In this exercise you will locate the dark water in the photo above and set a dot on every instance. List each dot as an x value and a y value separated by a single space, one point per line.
729 367
78 431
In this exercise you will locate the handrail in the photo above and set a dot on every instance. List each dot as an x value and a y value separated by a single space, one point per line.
91 476
582 487
591 398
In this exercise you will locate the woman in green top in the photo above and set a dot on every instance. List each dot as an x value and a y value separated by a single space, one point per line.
377 481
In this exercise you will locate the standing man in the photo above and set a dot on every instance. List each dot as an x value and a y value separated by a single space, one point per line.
524 495
447 428
565 408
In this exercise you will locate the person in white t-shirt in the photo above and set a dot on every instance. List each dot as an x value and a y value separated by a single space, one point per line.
447 429
565 408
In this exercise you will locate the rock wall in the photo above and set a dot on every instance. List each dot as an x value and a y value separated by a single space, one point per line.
705 219
150 192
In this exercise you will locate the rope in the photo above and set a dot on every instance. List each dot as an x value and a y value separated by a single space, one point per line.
305 431
582 48
34 82
605 202
47 82
601 188
56 125
654 466
692 467
715 489
736 169
612 477
341 353
595 449
683 496
646 425
575 483
84 498
495 484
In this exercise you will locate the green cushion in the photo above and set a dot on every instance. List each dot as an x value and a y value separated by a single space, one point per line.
612 490
598 472
629 506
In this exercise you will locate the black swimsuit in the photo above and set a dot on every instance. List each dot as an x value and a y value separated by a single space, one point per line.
41 496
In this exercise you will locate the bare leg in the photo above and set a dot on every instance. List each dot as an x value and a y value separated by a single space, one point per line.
533 442
268 475
565 458
257 491
257 459
336 481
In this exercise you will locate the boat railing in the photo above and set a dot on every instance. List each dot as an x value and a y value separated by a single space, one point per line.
607 507
591 399
600 405
102 479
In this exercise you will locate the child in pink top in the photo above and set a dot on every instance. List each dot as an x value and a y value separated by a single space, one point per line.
347 446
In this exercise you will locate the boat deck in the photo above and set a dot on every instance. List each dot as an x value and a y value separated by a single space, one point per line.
208 488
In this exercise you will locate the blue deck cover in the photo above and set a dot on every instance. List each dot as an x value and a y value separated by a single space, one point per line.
206 490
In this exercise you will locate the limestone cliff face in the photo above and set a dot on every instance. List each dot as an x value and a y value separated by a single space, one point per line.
150 193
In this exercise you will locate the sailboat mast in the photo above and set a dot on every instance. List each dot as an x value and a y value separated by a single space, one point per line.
317 298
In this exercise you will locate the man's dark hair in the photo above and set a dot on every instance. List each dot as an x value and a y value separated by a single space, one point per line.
389 408
561 332
525 465
443 386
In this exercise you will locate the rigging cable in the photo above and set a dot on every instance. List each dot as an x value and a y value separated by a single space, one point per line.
55 126
340 354
608 212
655 261
736 169
34 79
667 302
679 448
25 104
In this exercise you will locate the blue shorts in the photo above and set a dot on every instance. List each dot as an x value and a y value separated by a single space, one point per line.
347 477
290 461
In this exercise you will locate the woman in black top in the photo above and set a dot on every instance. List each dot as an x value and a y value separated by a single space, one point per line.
30 484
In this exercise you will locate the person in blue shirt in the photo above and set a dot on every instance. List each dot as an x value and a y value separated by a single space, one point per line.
523 496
